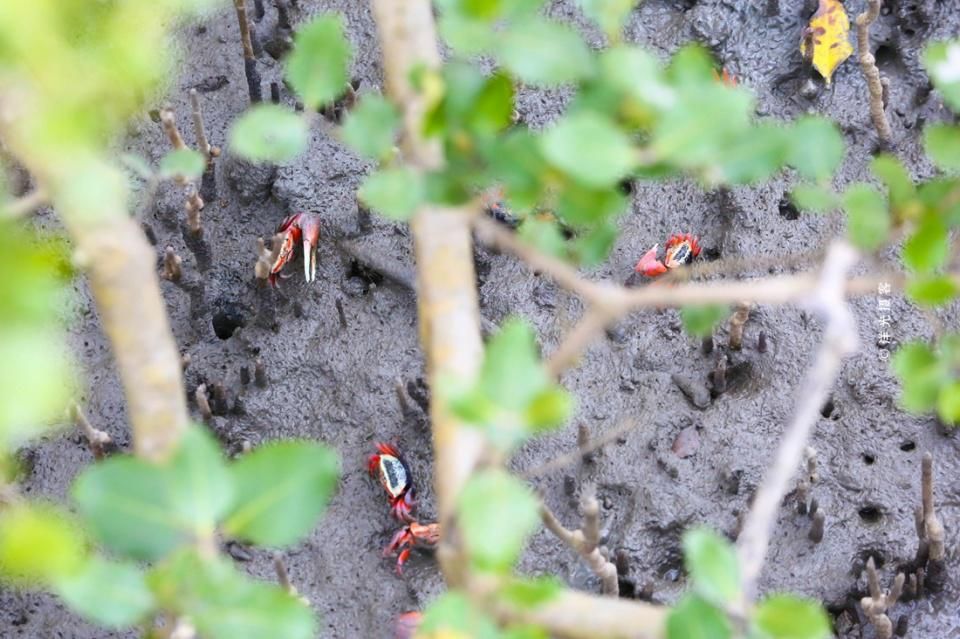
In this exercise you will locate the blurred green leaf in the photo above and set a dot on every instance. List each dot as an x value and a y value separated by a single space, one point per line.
490 10
393 192
34 386
948 403
137 165
146 510
691 67
282 490
868 220
608 14
465 35
317 66
941 196
269 133
590 148
934 290
530 592
492 109
892 173
551 407
812 197
38 544
816 147
752 157
694 618
185 163
587 207
920 374
926 250
544 235
942 143
371 127
942 60
701 320
225 604
543 53
712 564
497 513
787 617
110 593
452 615
639 75
593 247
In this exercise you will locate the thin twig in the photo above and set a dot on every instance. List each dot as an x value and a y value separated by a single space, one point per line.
23 206
585 541
241 8
97 440
868 64
840 339
571 458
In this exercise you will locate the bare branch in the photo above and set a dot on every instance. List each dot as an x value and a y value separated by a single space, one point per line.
97 440
593 445
24 205
840 339
868 65
585 541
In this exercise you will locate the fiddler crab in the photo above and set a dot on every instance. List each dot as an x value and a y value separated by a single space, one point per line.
298 228
679 250
394 474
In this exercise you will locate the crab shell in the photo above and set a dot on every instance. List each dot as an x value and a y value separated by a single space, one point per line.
396 479
680 250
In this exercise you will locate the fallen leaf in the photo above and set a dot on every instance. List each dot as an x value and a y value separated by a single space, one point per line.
825 41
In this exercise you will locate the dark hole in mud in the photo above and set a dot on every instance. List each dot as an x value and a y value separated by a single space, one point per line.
868 459
829 409
907 446
226 321
369 277
626 187
886 56
787 210
870 514
879 559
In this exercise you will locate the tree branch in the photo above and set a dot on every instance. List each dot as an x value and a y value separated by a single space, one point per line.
840 339
585 541
23 206
871 73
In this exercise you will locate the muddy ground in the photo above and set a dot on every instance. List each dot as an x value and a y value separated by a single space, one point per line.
337 384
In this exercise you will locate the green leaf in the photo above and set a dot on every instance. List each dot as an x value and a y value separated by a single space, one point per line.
531 592
752 157
812 197
283 487
868 220
550 408
393 192
492 108
465 35
137 165
920 374
694 618
185 163
893 174
490 10
38 544
593 247
942 143
942 60
588 207
544 235
816 147
544 53
701 320
712 564
317 67
512 373
787 617
146 510
497 513
948 403
935 290
225 604
590 148
269 133
452 615
110 593
371 127
608 14
926 250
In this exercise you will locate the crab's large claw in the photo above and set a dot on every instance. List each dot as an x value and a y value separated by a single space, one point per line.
402 508
649 265
310 230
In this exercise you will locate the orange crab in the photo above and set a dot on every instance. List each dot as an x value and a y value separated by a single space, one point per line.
297 228
680 250
389 466
411 535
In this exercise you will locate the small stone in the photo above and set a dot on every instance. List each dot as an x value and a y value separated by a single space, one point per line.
695 392
238 552
686 443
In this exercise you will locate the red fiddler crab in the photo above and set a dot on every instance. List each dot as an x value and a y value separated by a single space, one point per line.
396 479
679 251
411 535
297 228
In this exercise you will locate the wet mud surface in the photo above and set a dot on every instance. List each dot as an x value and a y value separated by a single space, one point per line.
692 456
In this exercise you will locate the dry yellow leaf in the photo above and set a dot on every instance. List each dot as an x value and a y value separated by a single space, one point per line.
825 40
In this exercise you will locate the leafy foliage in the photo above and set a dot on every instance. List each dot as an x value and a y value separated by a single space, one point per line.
317 67
928 377
185 163
712 566
269 133
701 320
513 397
